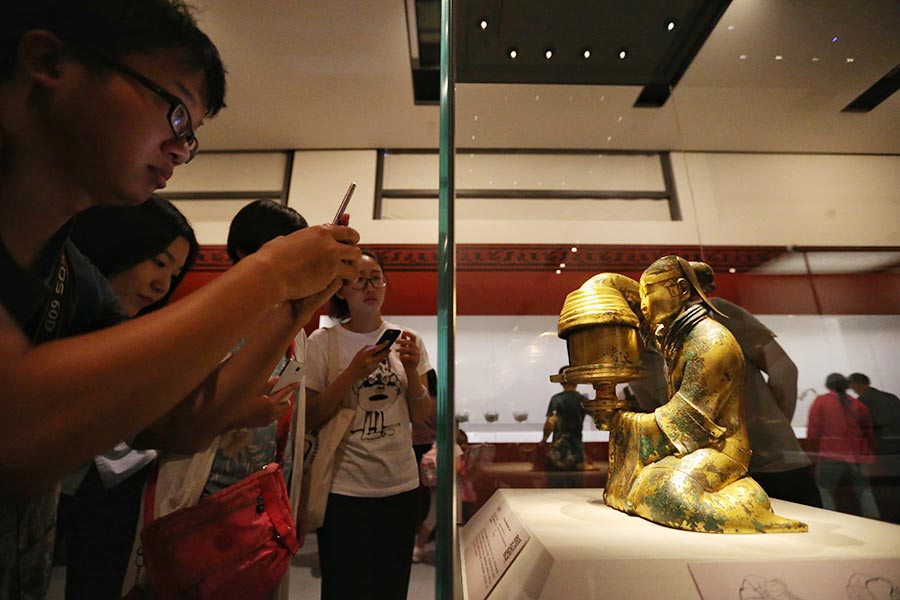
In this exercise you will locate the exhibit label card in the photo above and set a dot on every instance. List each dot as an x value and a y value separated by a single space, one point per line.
856 578
489 552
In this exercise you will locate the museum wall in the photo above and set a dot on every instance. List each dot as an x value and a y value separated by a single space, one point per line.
725 198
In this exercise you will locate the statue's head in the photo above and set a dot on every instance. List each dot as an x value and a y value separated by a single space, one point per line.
668 286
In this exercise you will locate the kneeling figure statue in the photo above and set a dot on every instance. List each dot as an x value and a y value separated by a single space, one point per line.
685 464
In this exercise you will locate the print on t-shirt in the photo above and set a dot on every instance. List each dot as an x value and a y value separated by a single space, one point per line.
377 393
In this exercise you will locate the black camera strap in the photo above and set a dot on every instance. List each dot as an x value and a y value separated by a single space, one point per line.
51 323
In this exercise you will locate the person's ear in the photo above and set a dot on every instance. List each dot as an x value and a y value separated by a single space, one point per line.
684 288
41 54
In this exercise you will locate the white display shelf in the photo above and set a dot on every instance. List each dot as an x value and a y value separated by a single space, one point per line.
580 548
530 433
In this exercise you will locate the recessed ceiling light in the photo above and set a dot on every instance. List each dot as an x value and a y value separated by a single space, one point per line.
513 53
623 53
850 59
483 24
670 25
731 28
562 265
815 59
743 57
548 53
779 57
619 119
574 249
586 53
476 117
609 138
732 270
834 39
537 98
558 272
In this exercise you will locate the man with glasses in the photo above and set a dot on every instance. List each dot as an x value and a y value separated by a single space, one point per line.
178 115
99 103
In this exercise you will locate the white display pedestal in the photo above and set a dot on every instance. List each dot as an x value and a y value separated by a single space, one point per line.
580 548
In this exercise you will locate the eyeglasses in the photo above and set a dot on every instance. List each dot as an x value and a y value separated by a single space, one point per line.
179 116
378 282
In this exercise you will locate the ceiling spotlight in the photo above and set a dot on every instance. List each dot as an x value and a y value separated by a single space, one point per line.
558 272
548 53
562 265
731 28
574 249
815 59
850 59
779 57
586 53
732 270
834 39
513 53
670 25
483 24
623 53
743 57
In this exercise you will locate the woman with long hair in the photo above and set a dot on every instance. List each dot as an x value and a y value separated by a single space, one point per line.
144 252
841 435
366 540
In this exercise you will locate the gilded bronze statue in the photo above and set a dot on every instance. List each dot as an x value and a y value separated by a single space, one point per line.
685 464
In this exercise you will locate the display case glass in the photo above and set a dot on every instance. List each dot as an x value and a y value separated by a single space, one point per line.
745 135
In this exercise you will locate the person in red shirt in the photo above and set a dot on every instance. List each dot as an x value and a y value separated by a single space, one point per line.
840 432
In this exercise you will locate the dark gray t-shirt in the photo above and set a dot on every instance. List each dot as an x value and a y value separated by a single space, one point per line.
27 529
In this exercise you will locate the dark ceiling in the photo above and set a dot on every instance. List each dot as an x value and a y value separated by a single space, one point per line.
647 43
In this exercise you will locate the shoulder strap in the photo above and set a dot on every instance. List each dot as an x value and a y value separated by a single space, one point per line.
50 325
150 494
284 423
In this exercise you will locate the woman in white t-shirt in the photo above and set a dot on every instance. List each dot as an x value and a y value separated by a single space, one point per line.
365 543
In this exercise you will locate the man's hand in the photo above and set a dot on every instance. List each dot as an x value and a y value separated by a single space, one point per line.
309 261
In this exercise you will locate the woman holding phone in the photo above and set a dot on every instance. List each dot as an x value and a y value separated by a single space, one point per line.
371 509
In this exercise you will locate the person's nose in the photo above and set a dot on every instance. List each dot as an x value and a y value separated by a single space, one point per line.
178 149
161 285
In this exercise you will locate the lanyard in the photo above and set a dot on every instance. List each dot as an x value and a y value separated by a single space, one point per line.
51 323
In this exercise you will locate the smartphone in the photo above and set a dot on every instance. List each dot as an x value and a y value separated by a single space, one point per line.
343 207
289 375
390 335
